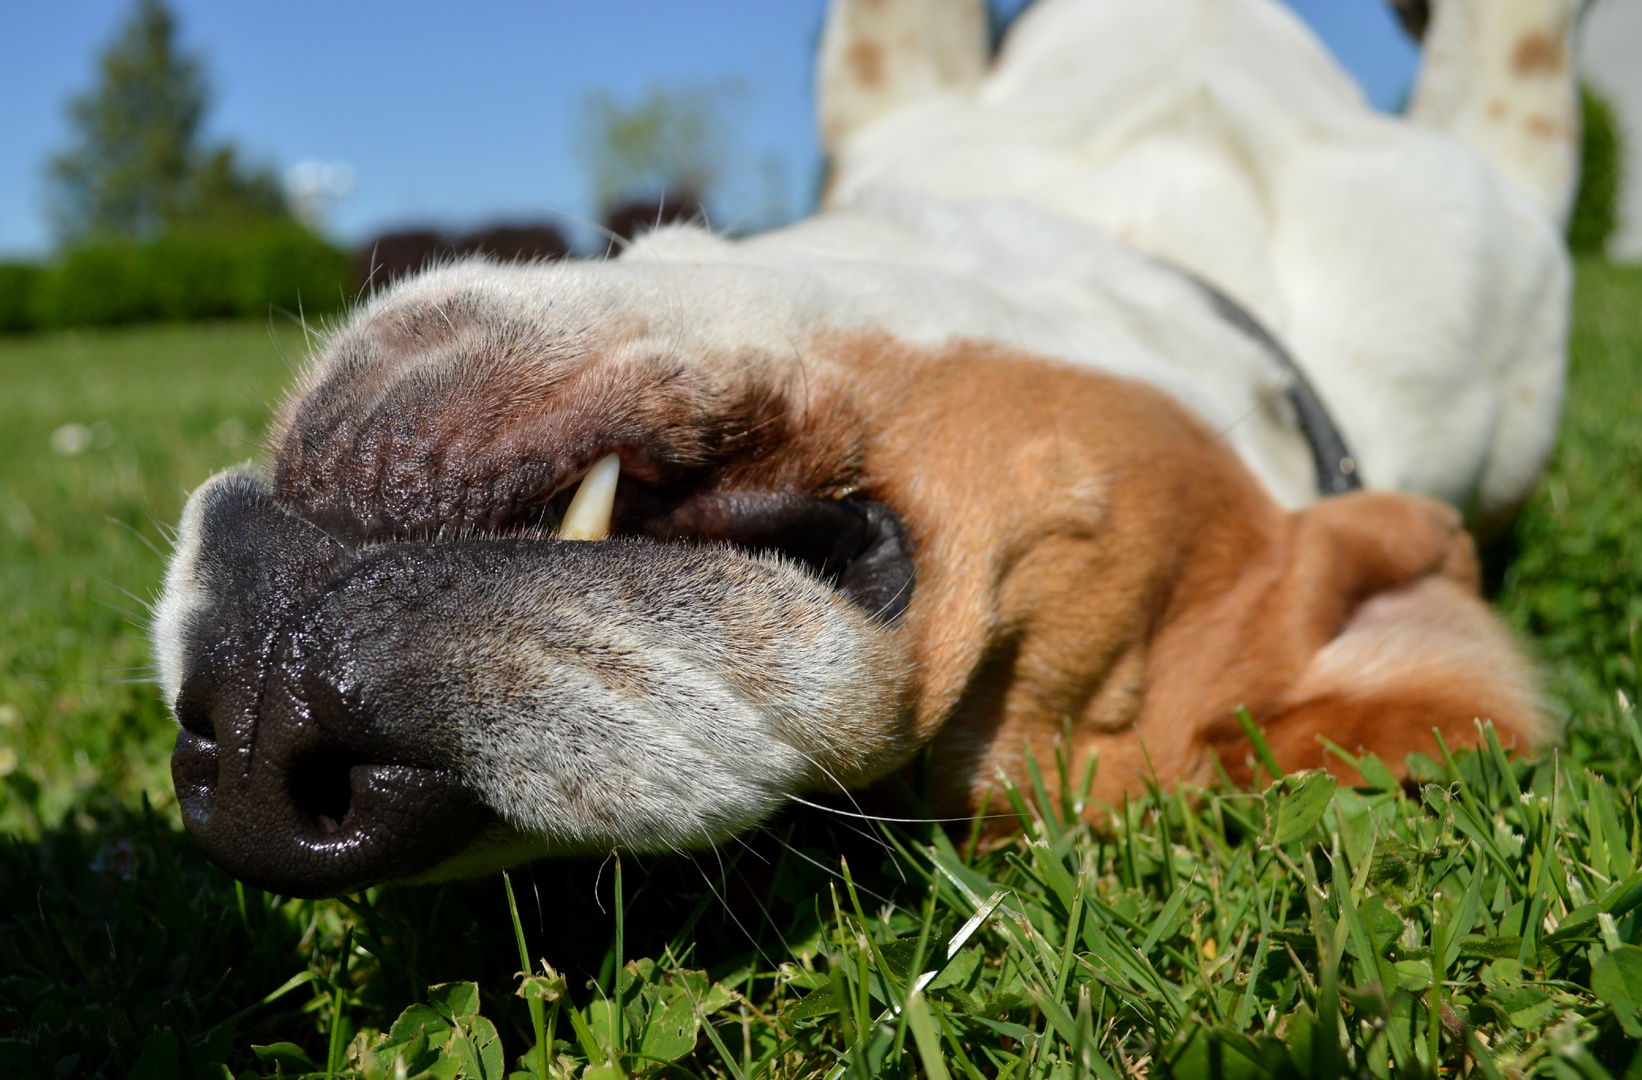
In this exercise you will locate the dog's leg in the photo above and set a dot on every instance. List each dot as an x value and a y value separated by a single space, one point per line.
1497 74
877 55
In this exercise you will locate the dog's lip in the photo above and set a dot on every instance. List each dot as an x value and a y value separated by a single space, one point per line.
824 533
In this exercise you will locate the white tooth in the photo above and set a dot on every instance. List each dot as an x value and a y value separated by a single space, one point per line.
588 517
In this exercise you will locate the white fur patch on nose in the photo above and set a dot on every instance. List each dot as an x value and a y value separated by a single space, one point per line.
182 597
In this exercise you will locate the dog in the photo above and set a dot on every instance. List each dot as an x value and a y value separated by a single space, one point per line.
1136 376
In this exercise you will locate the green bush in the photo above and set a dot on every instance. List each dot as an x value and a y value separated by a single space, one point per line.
17 287
190 275
293 269
1602 160
97 285
195 277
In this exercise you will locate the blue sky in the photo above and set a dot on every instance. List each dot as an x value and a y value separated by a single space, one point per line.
464 114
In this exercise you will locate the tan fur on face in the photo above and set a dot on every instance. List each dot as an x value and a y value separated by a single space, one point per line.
1086 550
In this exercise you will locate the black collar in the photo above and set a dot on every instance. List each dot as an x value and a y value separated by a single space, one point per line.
1336 467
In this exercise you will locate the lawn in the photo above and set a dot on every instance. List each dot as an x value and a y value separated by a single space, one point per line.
1487 923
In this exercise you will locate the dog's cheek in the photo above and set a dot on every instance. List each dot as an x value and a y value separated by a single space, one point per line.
675 710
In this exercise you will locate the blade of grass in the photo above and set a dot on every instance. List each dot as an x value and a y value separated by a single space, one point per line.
1046 808
538 1010
923 1034
618 1014
1073 925
1176 900
1257 738
333 1056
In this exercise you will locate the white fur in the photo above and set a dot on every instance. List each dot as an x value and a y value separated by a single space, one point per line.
181 596
1496 76
1415 269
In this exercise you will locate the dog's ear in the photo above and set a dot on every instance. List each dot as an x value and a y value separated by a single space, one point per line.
1428 657
877 55
1372 634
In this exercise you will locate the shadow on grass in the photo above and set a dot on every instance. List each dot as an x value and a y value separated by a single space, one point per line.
123 951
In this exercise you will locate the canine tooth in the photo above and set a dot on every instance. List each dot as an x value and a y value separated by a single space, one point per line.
588 517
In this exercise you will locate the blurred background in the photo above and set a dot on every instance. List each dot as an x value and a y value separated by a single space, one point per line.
177 159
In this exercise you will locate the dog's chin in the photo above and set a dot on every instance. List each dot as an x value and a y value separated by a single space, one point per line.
535 696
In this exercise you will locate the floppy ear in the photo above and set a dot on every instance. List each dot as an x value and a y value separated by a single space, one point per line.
877 55
1394 642
1427 656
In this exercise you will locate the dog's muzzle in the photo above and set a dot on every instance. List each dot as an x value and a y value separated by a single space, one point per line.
359 713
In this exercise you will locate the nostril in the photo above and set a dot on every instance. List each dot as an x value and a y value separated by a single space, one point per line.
321 787
194 703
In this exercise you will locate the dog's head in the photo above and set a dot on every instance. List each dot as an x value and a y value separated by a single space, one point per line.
827 547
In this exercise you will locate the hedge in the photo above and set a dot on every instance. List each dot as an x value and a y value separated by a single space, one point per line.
17 288
1595 216
181 276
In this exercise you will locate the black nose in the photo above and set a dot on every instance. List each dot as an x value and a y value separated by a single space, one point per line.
286 778
283 783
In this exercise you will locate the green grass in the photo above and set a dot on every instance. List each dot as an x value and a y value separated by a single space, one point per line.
1488 924
162 409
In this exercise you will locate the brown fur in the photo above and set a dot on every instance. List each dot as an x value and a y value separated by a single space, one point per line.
1086 550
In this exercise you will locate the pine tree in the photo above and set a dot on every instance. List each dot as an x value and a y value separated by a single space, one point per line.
139 168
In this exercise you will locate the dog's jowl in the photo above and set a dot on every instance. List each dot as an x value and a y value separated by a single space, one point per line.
1132 376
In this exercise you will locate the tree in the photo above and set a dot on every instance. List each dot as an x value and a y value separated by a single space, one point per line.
226 194
139 168
671 147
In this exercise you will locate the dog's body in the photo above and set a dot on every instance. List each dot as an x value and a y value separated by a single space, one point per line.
1418 276
954 403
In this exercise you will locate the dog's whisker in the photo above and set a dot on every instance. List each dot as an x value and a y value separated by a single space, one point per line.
754 852
40 680
830 871
134 531
764 911
895 820
726 907
146 605
843 788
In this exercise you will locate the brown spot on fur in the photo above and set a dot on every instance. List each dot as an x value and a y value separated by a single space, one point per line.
1496 109
1541 127
1087 550
1538 53
866 60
